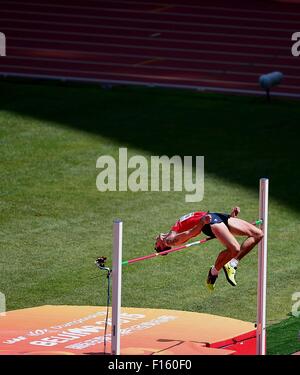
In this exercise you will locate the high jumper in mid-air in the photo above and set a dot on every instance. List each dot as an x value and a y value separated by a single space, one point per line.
222 226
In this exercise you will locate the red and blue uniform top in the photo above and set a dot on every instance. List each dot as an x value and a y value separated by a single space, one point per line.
188 221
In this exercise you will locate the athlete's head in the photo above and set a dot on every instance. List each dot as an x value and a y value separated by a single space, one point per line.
160 244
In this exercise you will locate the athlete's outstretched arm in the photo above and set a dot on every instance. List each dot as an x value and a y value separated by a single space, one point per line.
175 239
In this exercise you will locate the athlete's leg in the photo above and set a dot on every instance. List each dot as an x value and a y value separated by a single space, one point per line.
223 234
224 257
239 227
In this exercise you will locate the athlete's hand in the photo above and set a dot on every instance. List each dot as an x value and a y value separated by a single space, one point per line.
206 219
235 211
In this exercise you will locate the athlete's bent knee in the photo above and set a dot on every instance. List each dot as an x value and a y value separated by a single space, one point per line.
234 249
259 235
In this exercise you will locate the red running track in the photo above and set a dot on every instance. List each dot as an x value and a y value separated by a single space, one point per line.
221 46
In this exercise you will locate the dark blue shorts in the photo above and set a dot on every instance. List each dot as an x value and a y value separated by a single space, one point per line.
216 218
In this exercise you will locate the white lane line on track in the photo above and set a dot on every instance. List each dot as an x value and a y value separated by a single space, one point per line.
112 10
142 64
145 47
215 8
146 39
152 77
145 64
166 58
253 28
264 56
169 5
155 31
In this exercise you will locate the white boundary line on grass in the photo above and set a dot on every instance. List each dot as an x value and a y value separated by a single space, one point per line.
103 81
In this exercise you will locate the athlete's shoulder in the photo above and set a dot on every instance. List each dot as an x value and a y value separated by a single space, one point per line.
194 214
200 213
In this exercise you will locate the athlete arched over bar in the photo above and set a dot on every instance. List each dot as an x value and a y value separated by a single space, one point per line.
222 226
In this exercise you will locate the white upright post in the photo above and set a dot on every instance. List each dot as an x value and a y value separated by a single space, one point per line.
262 268
116 286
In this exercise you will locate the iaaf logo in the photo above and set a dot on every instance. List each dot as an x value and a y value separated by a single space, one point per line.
296 46
2 44
184 176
